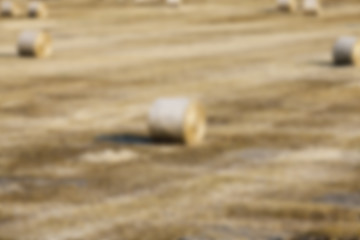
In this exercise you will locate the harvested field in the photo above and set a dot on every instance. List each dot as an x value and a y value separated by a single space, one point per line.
281 159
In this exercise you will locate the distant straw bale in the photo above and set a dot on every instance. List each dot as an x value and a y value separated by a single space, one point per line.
10 9
177 119
346 51
37 9
34 44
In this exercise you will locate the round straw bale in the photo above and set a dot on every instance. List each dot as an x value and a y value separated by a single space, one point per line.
312 7
287 5
173 3
177 119
34 44
37 9
10 9
346 51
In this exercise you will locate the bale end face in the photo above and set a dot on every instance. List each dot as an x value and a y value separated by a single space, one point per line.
34 44
177 120
195 124
356 54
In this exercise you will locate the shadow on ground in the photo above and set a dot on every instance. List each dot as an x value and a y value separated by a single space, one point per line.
126 139
329 64
133 139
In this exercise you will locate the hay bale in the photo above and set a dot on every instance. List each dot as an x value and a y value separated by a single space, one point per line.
312 7
177 119
37 9
34 44
10 9
173 3
346 51
287 5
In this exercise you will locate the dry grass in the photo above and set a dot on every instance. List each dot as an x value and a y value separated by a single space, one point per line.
293 211
280 158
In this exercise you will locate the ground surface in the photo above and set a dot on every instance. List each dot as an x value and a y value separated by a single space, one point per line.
282 152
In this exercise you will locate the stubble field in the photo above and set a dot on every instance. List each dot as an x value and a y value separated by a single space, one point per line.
281 156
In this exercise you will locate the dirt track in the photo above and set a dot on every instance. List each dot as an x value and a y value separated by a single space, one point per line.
281 155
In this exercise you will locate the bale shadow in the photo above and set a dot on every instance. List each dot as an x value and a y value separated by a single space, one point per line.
130 139
329 64
133 139
275 11
272 10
